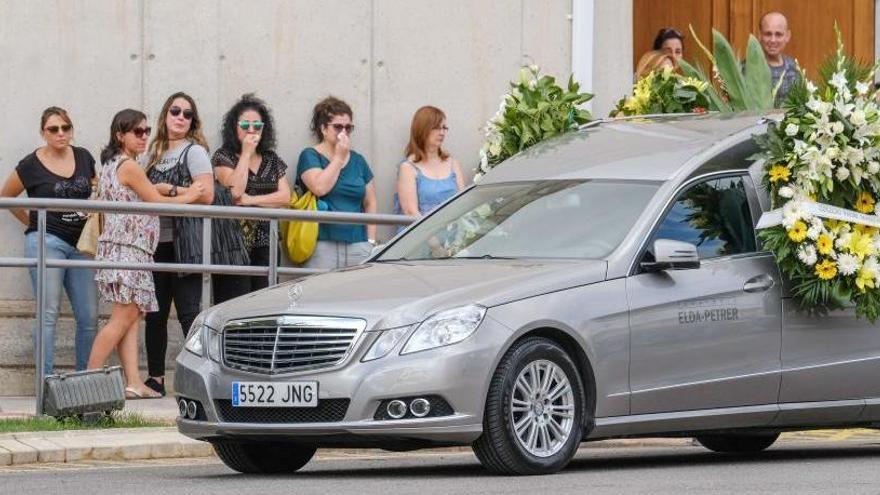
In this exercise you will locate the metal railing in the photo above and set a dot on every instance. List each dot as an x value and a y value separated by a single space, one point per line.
207 212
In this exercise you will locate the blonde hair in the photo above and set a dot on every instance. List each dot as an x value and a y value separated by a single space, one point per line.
652 61
160 144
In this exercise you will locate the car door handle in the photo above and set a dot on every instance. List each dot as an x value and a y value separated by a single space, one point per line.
759 283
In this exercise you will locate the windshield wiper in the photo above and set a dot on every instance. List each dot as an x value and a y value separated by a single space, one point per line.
481 257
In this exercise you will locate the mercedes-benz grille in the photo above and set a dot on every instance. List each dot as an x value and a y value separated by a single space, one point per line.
284 344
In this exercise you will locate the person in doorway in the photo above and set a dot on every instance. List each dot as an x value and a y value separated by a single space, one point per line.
128 238
671 42
774 36
177 157
341 178
429 175
248 165
59 170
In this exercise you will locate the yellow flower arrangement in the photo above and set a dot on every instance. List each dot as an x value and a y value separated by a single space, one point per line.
779 173
798 232
826 269
868 231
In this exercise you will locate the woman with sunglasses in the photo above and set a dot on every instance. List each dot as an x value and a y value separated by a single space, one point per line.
342 180
247 164
177 157
428 176
59 170
128 238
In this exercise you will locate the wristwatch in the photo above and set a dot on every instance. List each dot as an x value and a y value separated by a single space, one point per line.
173 191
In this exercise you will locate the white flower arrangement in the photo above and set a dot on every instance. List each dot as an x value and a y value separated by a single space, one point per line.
825 150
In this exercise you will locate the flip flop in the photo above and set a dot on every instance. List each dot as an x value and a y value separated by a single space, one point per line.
132 394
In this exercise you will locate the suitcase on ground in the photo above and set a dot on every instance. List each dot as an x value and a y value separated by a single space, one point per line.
83 392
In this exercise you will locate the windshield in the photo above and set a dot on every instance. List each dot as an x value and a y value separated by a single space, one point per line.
547 219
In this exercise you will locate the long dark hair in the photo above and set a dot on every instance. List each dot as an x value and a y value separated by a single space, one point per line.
229 132
124 121
159 145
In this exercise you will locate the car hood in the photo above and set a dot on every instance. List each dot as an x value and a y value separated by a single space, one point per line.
389 295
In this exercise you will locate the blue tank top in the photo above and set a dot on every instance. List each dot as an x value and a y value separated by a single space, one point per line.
430 192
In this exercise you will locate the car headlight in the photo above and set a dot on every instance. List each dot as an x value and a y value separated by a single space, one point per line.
194 342
385 342
213 338
445 328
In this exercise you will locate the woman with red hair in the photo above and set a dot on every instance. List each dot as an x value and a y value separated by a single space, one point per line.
429 176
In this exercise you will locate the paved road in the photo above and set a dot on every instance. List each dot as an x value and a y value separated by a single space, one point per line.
792 467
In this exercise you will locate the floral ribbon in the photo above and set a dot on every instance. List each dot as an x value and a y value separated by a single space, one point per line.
774 217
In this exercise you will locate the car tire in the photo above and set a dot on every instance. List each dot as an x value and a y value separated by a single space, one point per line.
506 446
263 457
737 444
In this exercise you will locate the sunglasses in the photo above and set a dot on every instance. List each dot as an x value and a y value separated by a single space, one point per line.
247 125
175 111
140 132
342 127
55 129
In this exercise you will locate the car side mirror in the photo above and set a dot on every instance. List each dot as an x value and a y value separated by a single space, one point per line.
672 255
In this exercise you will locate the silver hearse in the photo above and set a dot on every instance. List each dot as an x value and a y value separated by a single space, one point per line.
604 284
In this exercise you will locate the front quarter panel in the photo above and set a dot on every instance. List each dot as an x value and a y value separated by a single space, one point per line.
596 317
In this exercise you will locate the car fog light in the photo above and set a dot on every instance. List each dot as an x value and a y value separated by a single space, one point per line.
397 409
181 406
420 407
191 409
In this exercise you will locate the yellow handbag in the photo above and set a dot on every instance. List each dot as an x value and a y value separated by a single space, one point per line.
301 237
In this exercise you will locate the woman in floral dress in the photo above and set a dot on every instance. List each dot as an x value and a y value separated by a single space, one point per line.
128 238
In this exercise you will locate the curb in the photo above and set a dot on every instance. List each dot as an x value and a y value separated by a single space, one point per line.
107 445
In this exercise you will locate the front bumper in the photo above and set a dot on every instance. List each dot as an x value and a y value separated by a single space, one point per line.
459 373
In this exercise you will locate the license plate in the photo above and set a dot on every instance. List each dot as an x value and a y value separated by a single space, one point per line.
275 394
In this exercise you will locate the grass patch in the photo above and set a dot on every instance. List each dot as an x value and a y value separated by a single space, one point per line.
48 423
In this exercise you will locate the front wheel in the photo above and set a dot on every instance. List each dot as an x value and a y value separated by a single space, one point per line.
533 421
263 457
738 444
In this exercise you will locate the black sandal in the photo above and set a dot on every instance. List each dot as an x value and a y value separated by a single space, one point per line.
156 385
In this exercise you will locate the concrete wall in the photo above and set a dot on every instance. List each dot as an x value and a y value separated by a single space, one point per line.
385 57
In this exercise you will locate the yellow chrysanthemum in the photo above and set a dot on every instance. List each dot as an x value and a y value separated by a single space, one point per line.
860 244
824 244
798 232
865 203
779 173
868 231
865 280
826 269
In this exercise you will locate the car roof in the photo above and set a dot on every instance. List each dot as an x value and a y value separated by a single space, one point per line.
653 148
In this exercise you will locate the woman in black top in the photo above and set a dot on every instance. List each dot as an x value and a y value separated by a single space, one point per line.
247 164
59 170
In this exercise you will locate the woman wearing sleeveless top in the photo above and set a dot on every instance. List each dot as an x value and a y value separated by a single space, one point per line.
128 238
429 176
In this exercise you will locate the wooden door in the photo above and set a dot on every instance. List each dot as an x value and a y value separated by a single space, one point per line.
811 23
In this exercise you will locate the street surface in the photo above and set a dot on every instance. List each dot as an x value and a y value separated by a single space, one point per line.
796 467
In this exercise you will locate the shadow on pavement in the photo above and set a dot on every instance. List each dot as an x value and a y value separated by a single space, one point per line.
424 467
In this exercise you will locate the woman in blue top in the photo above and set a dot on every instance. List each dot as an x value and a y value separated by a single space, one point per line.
429 176
342 180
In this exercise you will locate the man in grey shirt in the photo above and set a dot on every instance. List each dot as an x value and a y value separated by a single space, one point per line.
774 36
